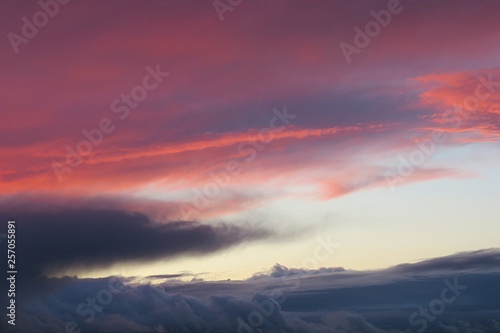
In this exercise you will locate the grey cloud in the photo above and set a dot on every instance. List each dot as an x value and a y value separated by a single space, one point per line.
335 301
96 238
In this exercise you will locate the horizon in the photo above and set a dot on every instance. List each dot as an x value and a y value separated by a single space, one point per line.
224 144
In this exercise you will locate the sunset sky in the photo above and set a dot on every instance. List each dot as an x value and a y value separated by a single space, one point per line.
315 140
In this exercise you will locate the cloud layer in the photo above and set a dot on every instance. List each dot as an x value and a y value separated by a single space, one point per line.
223 86
328 301
89 238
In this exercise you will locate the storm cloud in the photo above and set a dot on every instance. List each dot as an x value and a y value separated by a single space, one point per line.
81 237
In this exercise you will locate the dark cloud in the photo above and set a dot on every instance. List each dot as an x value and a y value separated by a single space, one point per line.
480 260
278 271
330 302
51 240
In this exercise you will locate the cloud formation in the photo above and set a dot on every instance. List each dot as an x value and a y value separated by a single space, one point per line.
89 238
332 300
188 125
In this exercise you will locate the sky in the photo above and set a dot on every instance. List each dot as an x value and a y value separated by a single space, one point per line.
222 140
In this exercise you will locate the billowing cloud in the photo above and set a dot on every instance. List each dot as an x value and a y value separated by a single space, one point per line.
332 300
